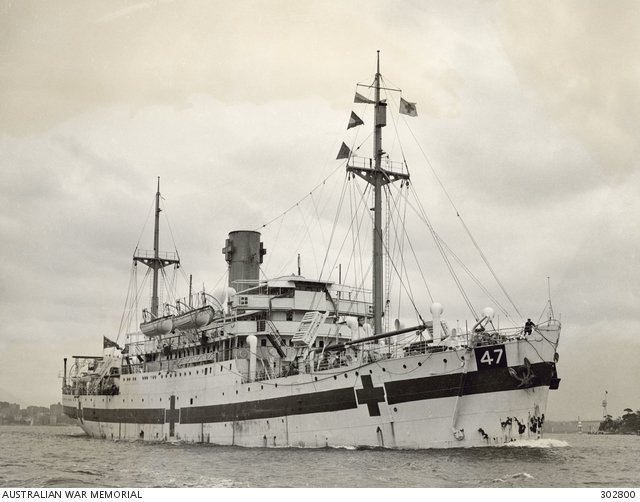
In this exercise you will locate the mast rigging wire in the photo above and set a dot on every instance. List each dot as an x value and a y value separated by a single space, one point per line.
482 255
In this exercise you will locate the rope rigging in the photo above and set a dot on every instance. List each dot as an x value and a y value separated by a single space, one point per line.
395 245
468 232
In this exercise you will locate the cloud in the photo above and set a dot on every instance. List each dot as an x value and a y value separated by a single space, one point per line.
61 60
582 61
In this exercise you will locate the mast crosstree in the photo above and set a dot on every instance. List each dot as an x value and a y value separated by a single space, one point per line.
155 261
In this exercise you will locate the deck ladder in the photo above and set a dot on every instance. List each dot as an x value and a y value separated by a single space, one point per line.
308 329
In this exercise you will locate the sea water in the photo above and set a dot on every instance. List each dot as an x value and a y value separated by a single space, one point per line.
63 456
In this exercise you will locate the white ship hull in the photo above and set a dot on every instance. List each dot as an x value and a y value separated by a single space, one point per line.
409 402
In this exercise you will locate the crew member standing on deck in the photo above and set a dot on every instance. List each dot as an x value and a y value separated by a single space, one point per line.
528 326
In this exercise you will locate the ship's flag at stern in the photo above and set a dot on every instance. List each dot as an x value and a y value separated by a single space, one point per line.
106 344
407 108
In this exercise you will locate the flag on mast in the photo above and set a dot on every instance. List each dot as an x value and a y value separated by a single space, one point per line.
354 121
344 152
407 108
361 99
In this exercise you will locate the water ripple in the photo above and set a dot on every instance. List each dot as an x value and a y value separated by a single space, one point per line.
65 457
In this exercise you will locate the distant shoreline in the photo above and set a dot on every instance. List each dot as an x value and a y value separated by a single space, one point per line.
618 433
26 424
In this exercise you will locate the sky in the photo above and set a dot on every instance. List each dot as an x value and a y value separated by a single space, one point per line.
528 112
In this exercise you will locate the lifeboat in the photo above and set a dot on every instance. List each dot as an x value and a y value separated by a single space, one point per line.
194 318
157 327
85 377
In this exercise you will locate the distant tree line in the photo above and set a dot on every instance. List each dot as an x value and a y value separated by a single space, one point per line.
629 423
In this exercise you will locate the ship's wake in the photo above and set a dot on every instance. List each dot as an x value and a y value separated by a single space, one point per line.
537 443
519 475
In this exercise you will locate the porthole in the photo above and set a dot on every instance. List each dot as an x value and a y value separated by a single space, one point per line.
383 369
346 376
445 361
419 364
404 366
335 377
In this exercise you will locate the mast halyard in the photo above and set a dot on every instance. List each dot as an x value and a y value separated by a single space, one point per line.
155 262
377 177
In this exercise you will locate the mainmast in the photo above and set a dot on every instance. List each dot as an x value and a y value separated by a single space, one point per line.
155 261
377 177
380 115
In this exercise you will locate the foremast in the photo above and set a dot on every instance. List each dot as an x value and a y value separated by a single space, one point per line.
153 260
377 177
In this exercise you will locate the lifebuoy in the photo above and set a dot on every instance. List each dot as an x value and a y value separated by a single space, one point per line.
243 354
